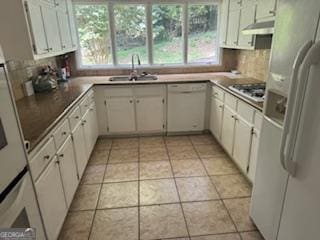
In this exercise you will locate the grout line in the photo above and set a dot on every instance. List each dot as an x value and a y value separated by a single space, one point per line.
139 188
218 193
175 182
101 185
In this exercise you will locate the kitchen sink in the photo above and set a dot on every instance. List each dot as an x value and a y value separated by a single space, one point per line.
139 78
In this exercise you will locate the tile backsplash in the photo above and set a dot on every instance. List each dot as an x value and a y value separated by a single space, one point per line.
253 63
21 71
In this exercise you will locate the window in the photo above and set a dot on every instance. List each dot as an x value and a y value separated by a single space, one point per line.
94 34
166 33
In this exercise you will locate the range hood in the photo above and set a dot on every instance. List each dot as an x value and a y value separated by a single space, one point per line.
259 28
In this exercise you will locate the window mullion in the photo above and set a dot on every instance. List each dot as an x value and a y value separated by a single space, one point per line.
185 30
149 33
112 33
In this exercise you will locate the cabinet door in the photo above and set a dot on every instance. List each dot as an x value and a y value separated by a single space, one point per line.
51 199
73 31
80 148
93 124
266 8
150 114
87 132
68 169
65 34
247 18
233 28
216 117
51 28
227 132
253 155
120 113
242 143
224 22
37 27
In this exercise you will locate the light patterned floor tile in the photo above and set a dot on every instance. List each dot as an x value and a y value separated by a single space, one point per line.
93 174
209 217
115 195
158 192
150 142
182 153
154 170
103 144
204 139
86 197
251 236
220 166
162 221
188 168
124 143
119 224
99 157
120 172
239 211
153 154
77 226
178 141
207 151
123 155
230 186
228 236
196 189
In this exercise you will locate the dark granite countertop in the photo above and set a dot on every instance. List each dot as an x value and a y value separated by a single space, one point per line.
40 113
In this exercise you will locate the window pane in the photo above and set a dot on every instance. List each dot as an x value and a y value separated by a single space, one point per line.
202 46
94 34
130 25
167 34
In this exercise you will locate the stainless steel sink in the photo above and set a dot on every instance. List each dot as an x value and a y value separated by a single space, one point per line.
139 78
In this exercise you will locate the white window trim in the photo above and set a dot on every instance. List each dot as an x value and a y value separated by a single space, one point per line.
148 7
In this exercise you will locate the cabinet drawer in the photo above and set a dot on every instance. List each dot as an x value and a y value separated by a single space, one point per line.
245 111
61 134
218 93
230 101
84 104
42 158
119 92
75 118
257 120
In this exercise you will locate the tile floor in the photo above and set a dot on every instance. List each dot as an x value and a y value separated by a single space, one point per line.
148 188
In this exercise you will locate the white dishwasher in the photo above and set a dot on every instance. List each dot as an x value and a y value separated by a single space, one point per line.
186 107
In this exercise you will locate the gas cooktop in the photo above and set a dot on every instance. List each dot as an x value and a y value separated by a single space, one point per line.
253 91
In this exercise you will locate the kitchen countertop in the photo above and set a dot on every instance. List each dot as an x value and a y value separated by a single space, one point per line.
41 112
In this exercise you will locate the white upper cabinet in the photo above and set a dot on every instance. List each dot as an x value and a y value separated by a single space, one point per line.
266 9
233 28
247 17
73 30
41 29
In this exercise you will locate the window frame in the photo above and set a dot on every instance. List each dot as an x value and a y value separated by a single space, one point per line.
149 35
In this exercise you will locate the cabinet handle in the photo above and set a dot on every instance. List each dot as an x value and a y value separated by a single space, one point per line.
46 157
130 101
138 101
86 105
220 106
50 49
250 43
63 46
57 162
272 12
47 49
61 155
84 121
216 94
76 117
64 133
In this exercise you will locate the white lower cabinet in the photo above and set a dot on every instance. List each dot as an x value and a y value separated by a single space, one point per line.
87 133
227 132
242 143
51 199
216 117
68 169
93 124
79 144
120 114
150 114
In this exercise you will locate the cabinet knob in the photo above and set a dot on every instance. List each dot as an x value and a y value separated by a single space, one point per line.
84 121
61 155
220 106
46 157
138 101
63 46
50 49
272 12
64 133
91 109
130 101
76 117
57 162
250 43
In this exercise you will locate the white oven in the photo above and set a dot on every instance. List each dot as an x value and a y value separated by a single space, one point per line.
18 204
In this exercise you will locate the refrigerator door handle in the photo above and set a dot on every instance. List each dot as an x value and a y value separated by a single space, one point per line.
291 106
312 58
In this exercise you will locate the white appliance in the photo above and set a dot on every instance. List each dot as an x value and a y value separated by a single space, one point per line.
286 195
18 205
186 107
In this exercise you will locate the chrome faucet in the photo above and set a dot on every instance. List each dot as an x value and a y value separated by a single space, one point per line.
134 72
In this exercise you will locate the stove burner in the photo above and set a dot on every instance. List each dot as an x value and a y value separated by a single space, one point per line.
255 91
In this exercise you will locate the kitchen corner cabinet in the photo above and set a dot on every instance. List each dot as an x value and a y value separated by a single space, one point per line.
67 164
51 199
40 28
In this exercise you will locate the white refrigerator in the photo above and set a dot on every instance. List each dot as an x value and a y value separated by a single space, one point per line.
286 195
